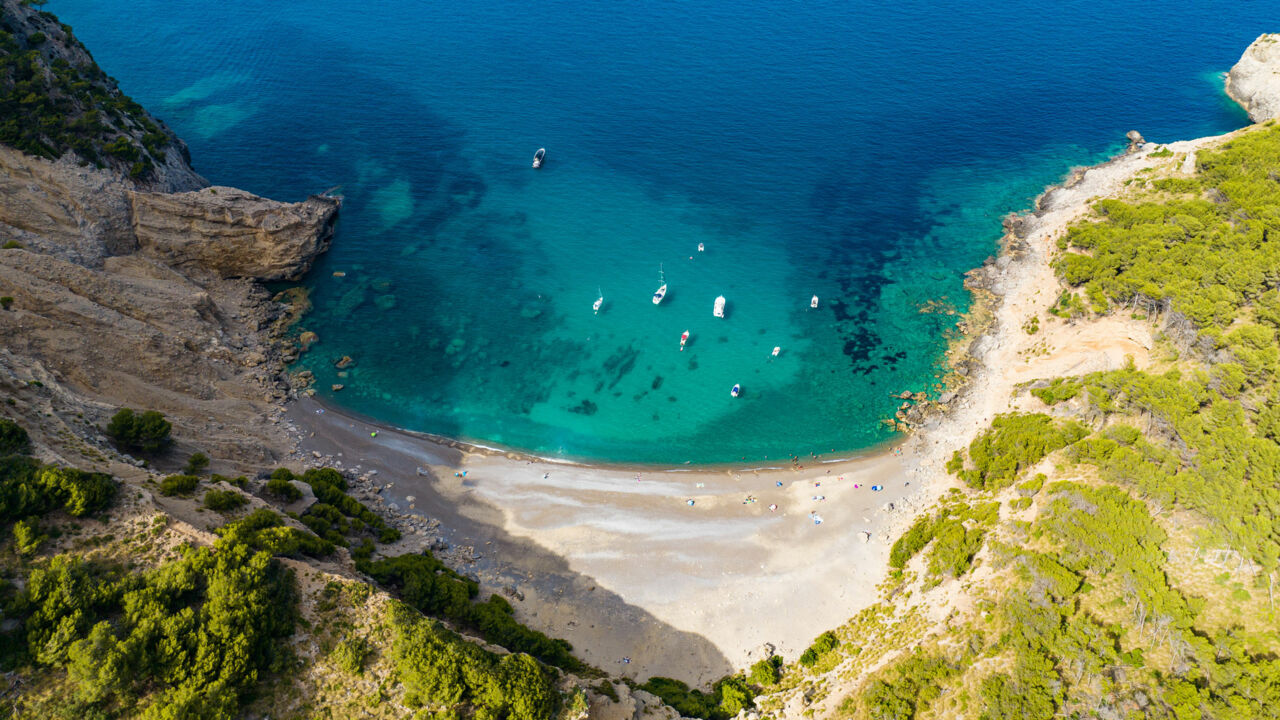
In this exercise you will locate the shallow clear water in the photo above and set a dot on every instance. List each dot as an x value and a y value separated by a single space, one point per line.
857 152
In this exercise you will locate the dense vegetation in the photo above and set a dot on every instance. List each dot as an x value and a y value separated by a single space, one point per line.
727 697
193 638
185 640
49 107
336 516
427 584
439 669
1100 604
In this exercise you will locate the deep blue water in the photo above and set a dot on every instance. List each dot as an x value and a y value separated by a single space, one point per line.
858 151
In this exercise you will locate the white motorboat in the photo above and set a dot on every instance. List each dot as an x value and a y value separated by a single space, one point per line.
813 303
701 247
718 310
776 349
736 391
596 305
684 338
538 156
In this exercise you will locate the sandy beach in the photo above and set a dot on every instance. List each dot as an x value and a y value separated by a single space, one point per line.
617 561
626 568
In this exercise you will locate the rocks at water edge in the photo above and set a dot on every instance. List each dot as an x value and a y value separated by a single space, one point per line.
1254 81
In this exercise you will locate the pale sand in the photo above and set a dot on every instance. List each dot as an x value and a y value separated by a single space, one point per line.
627 569
622 568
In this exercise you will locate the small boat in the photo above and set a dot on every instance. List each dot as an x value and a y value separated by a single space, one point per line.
596 305
662 291
718 310
538 156
777 349
736 391
701 247
813 303
684 338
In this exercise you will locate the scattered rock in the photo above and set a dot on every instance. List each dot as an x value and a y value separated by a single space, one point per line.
336 387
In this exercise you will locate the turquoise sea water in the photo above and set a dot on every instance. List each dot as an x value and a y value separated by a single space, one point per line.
856 151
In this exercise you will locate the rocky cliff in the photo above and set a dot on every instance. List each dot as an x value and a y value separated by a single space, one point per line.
240 234
1254 81
125 280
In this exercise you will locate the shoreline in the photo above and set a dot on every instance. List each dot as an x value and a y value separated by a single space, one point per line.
479 448
554 533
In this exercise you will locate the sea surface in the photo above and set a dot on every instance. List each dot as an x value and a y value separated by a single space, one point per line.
863 152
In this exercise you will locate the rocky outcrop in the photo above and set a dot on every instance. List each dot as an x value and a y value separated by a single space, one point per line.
124 283
233 233
1254 81
84 215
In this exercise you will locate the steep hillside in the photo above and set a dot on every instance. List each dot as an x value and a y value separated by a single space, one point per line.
55 100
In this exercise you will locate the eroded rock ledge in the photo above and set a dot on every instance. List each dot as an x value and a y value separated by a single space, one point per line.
233 233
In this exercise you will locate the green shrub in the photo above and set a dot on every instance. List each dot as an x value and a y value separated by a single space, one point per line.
728 696
13 439
11 245
766 671
148 431
81 493
283 489
350 654
179 485
606 688
263 529
196 464
224 500
6 302
26 537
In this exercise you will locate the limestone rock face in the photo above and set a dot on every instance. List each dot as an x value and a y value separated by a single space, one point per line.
78 213
1254 81
233 233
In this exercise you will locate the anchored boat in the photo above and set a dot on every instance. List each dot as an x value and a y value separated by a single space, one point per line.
684 338
598 303
662 291
538 156
777 349
718 310
736 391
814 302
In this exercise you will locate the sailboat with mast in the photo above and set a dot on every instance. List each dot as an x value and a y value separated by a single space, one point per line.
599 301
662 291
